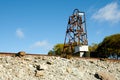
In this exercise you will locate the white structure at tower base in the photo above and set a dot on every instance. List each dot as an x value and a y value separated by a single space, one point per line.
81 49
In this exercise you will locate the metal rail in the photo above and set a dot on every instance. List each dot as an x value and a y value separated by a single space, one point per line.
12 54
2 54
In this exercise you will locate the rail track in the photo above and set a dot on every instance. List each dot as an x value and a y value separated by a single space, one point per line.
12 54
102 59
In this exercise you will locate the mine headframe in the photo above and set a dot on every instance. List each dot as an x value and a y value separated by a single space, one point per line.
76 34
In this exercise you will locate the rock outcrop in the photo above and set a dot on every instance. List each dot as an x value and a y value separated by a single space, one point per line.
56 68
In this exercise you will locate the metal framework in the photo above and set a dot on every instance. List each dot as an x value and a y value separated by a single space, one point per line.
76 33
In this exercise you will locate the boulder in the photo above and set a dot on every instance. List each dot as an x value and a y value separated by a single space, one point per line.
21 54
39 73
104 76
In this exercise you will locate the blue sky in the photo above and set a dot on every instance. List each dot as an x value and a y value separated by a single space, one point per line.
35 26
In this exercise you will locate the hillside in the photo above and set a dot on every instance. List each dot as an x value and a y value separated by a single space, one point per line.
56 68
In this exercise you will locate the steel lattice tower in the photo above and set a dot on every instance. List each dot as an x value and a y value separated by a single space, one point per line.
76 33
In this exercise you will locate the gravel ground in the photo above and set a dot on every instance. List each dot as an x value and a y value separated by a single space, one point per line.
56 68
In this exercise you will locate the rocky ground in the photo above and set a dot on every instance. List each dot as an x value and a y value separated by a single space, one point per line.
56 68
